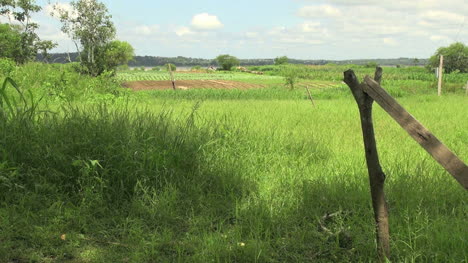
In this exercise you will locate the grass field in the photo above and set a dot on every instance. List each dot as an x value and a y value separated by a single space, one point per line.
96 173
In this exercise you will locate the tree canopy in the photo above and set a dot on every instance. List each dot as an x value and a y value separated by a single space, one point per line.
281 60
455 58
90 25
26 48
226 62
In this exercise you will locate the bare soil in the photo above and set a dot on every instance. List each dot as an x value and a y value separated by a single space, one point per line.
189 84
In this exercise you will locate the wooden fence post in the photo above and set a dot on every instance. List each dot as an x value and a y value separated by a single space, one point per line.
376 175
466 88
169 67
441 72
310 96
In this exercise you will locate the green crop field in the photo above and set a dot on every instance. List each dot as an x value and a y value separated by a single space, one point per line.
92 172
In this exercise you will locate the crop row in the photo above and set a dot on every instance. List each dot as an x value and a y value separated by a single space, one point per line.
138 76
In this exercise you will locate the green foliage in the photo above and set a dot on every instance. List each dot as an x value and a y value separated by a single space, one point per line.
281 60
455 58
90 24
371 64
226 62
88 175
10 39
116 53
6 66
156 69
290 75
21 43
170 67
195 68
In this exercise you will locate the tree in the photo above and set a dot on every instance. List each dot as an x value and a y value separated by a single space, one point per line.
281 60
21 11
226 62
116 53
455 58
90 25
10 41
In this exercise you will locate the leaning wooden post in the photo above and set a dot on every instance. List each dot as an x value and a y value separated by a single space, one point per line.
310 96
376 175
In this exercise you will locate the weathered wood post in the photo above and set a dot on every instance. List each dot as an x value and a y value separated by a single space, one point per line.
441 72
171 75
310 96
376 175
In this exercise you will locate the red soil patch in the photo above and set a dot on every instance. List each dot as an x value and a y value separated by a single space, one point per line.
189 84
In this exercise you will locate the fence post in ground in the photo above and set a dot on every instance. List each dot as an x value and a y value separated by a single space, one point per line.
376 175
466 88
441 72
310 96
169 67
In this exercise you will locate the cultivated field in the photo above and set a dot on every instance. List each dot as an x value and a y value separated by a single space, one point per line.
241 170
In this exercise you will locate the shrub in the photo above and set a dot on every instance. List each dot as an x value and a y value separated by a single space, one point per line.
281 60
6 66
170 66
226 62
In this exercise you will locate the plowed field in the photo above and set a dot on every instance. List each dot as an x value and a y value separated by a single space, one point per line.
189 84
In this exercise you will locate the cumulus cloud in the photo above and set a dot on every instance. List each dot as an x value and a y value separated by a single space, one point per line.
205 21
183 30
147 30
319 11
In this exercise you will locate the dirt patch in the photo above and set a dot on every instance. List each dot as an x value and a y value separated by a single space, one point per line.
189 84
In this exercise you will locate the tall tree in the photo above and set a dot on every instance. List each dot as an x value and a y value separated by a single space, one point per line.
20 11
90 25
455 58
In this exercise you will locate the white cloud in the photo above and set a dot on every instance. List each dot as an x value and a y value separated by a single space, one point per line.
147 30
206 21
51 9
183 30
438 38
390 41
319 11
310 27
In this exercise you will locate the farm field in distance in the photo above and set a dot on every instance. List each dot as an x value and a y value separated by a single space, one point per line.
234 167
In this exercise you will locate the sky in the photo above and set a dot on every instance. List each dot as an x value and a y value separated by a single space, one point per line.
302 29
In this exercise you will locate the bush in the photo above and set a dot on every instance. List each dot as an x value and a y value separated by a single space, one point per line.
170 67
371 64
226 62
291 75
6 66
156 69
281 60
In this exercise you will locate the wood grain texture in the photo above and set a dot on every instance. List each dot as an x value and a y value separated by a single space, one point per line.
456 167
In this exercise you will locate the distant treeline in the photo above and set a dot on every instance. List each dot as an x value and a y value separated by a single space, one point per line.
150 61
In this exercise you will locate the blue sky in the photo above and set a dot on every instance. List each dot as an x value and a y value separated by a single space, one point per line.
304 29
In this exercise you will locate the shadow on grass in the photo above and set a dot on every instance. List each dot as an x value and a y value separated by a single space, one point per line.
101 184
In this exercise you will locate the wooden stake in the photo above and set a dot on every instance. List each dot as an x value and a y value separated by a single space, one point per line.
466 88
376 174
172 76
441 71
310 96
456 167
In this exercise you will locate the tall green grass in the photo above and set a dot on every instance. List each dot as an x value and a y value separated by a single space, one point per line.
242 176
229 181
